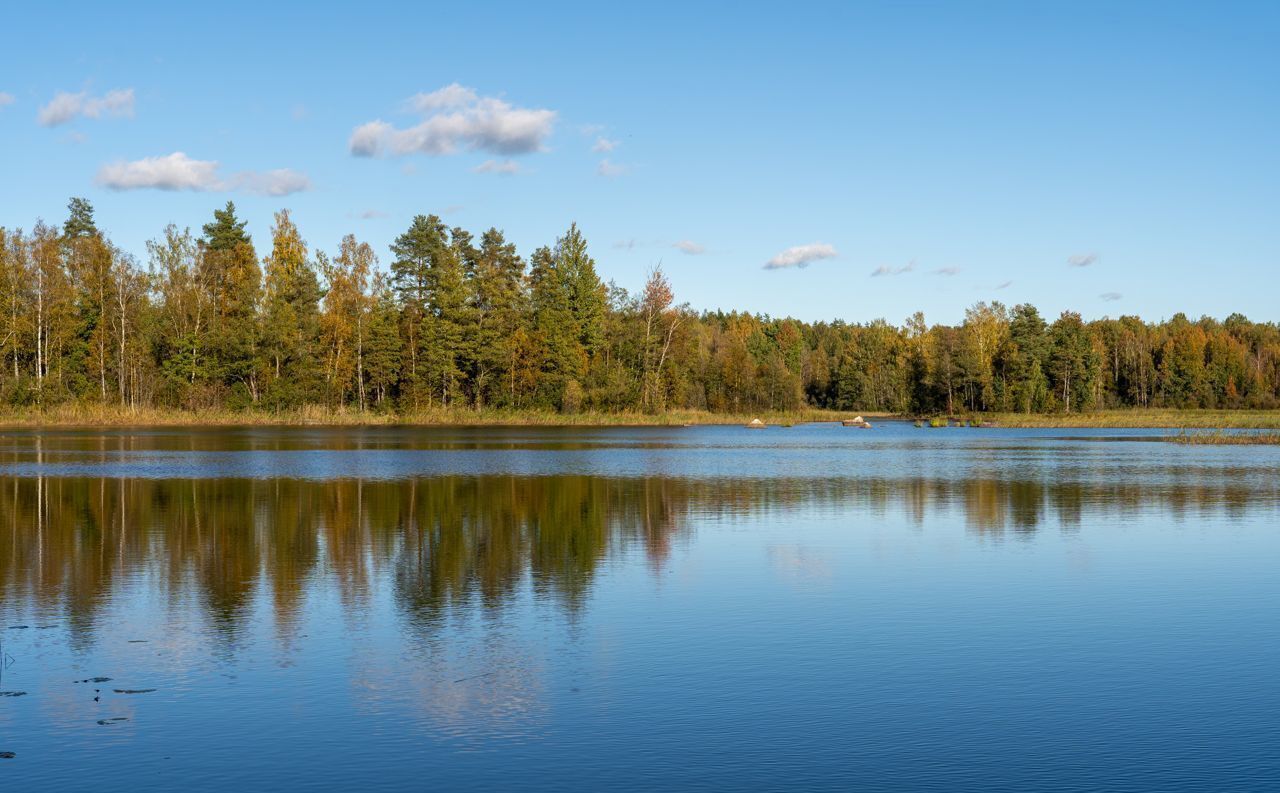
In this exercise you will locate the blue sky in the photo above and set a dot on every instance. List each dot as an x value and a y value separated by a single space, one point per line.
919 156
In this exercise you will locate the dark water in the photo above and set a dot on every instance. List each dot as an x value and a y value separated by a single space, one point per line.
712 607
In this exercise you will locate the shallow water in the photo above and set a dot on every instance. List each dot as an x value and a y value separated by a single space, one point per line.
704 607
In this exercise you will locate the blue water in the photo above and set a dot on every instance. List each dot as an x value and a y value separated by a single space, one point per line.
635 608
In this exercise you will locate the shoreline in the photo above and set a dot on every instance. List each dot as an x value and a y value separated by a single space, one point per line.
88 417
72 416
1139 419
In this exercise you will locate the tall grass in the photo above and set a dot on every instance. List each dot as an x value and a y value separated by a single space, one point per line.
86 415
1221 438
1172 419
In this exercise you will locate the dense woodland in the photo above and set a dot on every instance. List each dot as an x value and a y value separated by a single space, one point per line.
452 321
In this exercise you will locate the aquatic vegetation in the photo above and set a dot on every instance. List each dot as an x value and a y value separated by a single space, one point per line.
1223 438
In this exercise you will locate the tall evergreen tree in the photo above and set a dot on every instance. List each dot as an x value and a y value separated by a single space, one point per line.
558 335
498 300
585 291
228 269
79 221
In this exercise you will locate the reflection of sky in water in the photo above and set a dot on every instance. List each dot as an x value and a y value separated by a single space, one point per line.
630 607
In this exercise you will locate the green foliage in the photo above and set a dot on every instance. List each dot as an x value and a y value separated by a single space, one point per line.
459 323
80 219
226 231
290 360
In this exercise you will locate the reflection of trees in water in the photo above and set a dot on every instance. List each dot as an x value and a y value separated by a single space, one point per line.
455 542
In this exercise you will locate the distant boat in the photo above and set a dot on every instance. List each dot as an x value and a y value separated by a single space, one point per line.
756 424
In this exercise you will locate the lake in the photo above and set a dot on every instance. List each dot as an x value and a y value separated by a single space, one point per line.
635 608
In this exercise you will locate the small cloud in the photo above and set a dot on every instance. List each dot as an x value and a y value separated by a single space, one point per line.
453 209
885 269
450 97
1082 259
624 245
178 172
299 112
279 182
948 271
76 138
175 171
502 167
66 106
1110 297
801 256
1005 285
372 214
604 145
6 99
610 169
690 247
591 129
456 118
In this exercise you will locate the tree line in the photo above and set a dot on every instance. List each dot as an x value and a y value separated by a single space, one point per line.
458 322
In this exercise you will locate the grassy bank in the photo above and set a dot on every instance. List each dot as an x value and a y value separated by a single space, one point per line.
1220 438
113 416
1171 419
75 415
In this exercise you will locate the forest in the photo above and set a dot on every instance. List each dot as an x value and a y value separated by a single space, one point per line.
454 322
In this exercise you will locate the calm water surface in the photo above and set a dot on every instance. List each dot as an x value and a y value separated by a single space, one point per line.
705 607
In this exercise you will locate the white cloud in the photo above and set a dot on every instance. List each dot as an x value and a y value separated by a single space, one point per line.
65 106
801 256
450 97
885 269
177 171
947 271
502 167
278 182
6 99
610 169
1110 297
367 139
456 118
372 214
604 145
1082 259
690 247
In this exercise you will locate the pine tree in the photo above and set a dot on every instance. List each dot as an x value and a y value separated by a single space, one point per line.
429 276
80 219
416 251
228 269
499 304
556 330
1028 358
226 231
384 359
586 292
